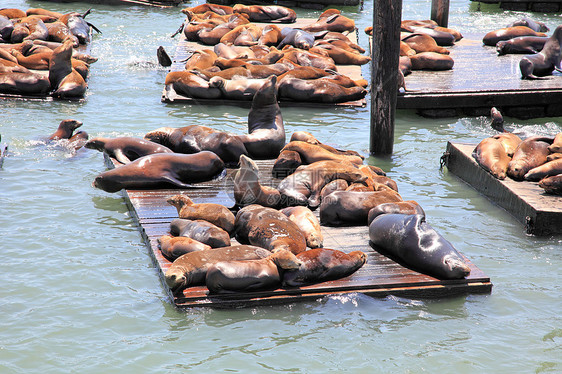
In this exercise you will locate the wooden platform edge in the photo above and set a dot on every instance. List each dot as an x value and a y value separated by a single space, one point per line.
536 222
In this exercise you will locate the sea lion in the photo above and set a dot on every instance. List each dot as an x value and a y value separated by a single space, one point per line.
307 223
201 59
497 119
12 13
37 61
162 169
331 20
239 88
521 44
530 153
400 207
6 28
271 35
65 80
431 61
304 136
173 247
303 57
58 32
413 241
553 156
286 164
200 230
65 130
549 168
297 38
21 81
492 157
125 148
196 138
41 11
190 269
530 23
250 275
242 35
552 185
322 265
217 214
248 190
546 61
266 132
215 8
267 13
493 37
268 228
318 90
509 141
303 187
422 43
556 146
352 208
342 56
335 185
191 85
310 153
443 37
3 151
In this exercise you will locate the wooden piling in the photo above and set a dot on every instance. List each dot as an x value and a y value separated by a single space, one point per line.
440 12
387 15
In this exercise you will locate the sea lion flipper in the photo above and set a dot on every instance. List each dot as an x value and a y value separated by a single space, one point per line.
120 156
177 182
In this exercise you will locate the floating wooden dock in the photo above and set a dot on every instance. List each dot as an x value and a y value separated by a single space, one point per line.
308 4
185 49
541 213
379 277
152 3
543 6
480 80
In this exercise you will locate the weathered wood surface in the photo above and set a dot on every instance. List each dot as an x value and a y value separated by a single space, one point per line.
380 276
152 3
309 4
440 12
541 213
186 48
482 79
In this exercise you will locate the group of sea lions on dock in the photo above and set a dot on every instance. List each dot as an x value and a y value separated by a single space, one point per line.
244 54
537 158
38 55
528 36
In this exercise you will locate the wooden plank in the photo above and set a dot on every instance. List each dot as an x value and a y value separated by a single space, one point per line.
526 201
185 49
380 276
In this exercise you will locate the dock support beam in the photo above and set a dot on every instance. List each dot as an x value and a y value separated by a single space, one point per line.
387 16
440 12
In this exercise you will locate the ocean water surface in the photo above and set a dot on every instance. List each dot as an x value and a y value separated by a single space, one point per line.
79 292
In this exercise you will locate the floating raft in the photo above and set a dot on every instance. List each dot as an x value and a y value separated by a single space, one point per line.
479 81
309 4
186 48
546 6
153 3
379 277
541 213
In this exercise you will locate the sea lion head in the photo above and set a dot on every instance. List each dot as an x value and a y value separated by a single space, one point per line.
95 143
286 260
179 201
176 279
456 267
500 47
497 119
160 135
248 165
526 67
70 124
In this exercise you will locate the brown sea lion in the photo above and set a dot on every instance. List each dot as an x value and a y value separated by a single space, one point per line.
546 61
126 149
173 247
431 61
65 80
58 32
250 275
352 208
191 85
306 58
217 214
304 136
322 265
200 230
162 169
201 59
307 223
247 188
65 130
342 56
266 132
406 50
203 8
443 37
331 20
531 153
548 169
423 43
556 146
553 156
490 154
318 90
493 37
413 242
268 228
267 13
521 44
509 141
310 153
400 207
497 119
190 269
21 81
303 187
530 23
242 35
271 35
286 164
37 61
240 88
335 185
552 185
12 13
41 11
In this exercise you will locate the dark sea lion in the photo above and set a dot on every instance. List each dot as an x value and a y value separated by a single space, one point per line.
266 13
531 153
493 37
196 138
297 38
530 23
492 157
307 223
78 140
163 57
335 185
331 20
250 275
160 170
352 208
65 80
266 132
3 151
217 214
268 228
431 61
497 119
125 148
310 153
247 188
286 164
21 81
443 37
6 28
191 85
173 247
422 43
414 242
552 185
304 136
509 141
303 187
322 265
400 207
65 130
318 90
546 61
556 146
522 44
548 169
190 269
200 230
58 32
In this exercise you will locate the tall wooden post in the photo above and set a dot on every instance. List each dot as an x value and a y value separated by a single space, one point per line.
387 15
440 12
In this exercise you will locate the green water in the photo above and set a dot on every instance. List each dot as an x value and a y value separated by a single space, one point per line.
79 292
